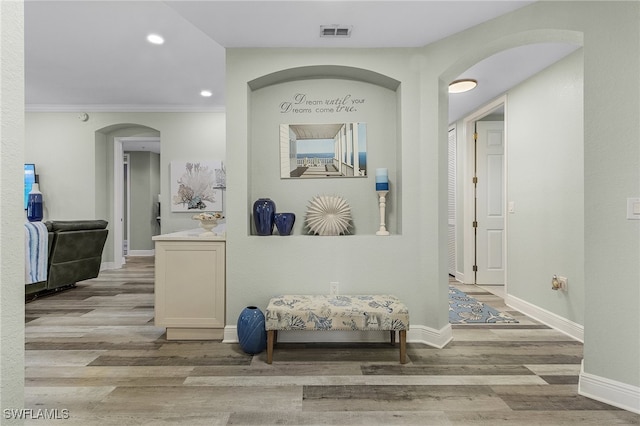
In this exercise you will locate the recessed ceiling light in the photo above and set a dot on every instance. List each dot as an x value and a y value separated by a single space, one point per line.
206 93
461 86
155 39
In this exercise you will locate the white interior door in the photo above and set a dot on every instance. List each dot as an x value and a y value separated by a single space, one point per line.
490 203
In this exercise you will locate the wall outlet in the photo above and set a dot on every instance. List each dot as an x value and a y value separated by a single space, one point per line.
333 288
564 283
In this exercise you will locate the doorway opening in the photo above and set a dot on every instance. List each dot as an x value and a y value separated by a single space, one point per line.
485 189
126 188
131 238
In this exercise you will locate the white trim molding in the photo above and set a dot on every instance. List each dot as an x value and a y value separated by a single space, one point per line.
121 108
141 253
416 334
108 265
563 325
609 391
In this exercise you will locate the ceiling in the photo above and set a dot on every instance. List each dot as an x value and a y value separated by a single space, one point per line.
93 55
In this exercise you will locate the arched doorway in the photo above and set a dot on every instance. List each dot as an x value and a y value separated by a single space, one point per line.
535 301
110 182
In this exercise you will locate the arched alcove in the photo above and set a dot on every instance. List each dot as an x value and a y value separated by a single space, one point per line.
325 95
322 72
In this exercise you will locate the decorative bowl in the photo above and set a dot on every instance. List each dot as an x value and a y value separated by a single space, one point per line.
208 221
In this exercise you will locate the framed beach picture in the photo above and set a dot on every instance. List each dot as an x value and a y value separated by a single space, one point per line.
323 150
197 185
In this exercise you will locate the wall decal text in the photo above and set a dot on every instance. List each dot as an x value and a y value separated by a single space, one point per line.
301 104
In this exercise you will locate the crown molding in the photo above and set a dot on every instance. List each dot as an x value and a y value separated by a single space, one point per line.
121 108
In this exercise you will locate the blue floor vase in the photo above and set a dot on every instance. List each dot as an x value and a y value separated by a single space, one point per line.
252 335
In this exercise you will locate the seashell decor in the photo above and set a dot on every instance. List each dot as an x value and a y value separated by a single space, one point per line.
328 215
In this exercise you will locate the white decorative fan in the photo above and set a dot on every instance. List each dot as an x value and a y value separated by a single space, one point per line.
328 215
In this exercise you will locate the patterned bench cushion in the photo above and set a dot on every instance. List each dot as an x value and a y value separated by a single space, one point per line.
321 312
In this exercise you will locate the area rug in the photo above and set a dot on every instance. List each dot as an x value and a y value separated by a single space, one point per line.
467 310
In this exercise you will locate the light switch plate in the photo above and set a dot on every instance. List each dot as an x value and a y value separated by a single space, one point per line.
633 208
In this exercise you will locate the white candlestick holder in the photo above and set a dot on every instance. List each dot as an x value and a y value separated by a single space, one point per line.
382 201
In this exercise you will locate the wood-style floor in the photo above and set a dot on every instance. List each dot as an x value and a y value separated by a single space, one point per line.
94 352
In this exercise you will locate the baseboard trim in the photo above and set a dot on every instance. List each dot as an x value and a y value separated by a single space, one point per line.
416 334
230 334
563 325
430 336
609 391
141 253
108 265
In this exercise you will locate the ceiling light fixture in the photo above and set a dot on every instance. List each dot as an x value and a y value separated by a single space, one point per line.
206 93
155 39
461 86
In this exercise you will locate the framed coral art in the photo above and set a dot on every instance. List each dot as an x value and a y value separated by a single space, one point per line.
197 185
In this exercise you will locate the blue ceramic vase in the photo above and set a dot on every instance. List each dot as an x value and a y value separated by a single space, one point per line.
284 222
264 210
34 204
252 335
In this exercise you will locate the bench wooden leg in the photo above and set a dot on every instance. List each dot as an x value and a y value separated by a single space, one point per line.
271 337
393 337
403 346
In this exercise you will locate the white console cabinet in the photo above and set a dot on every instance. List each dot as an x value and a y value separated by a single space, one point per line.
190 285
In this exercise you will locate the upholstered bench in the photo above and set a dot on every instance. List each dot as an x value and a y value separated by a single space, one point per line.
323 312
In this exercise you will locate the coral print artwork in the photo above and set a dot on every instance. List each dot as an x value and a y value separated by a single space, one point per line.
197 186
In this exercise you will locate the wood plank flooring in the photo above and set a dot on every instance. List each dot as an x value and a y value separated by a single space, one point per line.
94 351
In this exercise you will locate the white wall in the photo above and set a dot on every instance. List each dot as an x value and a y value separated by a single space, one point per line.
545 181
11 207
612 173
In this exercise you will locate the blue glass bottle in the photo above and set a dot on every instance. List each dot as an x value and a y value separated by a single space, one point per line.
34 204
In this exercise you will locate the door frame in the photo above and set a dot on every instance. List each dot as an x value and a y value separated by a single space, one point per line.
468 206
118 185
126 163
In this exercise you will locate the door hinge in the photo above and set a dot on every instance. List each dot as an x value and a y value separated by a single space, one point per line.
475 136
475 180
475 223
475 268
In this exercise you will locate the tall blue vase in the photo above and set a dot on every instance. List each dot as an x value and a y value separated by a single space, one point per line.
284 222
251 332
263 211
34 204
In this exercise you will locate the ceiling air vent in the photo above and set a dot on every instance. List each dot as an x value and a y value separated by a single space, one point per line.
335 31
